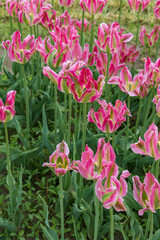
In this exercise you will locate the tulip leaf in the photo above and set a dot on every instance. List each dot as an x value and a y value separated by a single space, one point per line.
156 236
49 233
10 226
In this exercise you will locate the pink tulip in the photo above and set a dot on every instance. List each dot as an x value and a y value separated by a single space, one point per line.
114 65
156 101
157 9
152 37
153 72
31 12
60 79
150 146
7 111
59 161
147 194
93 167
12 7
128 55
82 85
66 3
48 22
18 51
78 25
138 5
111 37
108 118
134 87
93 6
113 190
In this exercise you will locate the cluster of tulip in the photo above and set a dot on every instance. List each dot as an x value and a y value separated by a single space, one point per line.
64 48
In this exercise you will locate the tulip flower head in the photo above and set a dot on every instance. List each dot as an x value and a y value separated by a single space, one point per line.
150 146
147 194
152 37
59 161
156 101
113 191
93 6
83 87
111 38
134 87
157 9
93 167
19 51
31 12
109 118
7 111
66 3
138 5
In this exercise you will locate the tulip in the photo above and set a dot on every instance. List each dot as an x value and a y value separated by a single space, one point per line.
108 118
66 3
111 37
93 6
156 101
93 167
31 12
147 194
83 87
134 87
7 111
150 146
113 191
78 25
153 72
138 5
59 161
157 9
114 65
152 37
19 51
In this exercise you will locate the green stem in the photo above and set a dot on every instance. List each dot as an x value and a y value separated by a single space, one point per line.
157 48
27 102
126 140
84 125
65 108
75 121
82 33
138 115
69 118
111 224
107 86
91 36
55 113
151 226
120 11
7 146
96 204
157 169
11 24
149 102
137 34
149 52
61 206
113 139
32 61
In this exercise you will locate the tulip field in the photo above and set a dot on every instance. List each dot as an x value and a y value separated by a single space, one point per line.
79 119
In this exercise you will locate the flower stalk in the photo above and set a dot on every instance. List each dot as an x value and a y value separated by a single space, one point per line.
27 102
111 224
61 206
92 35
96 204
